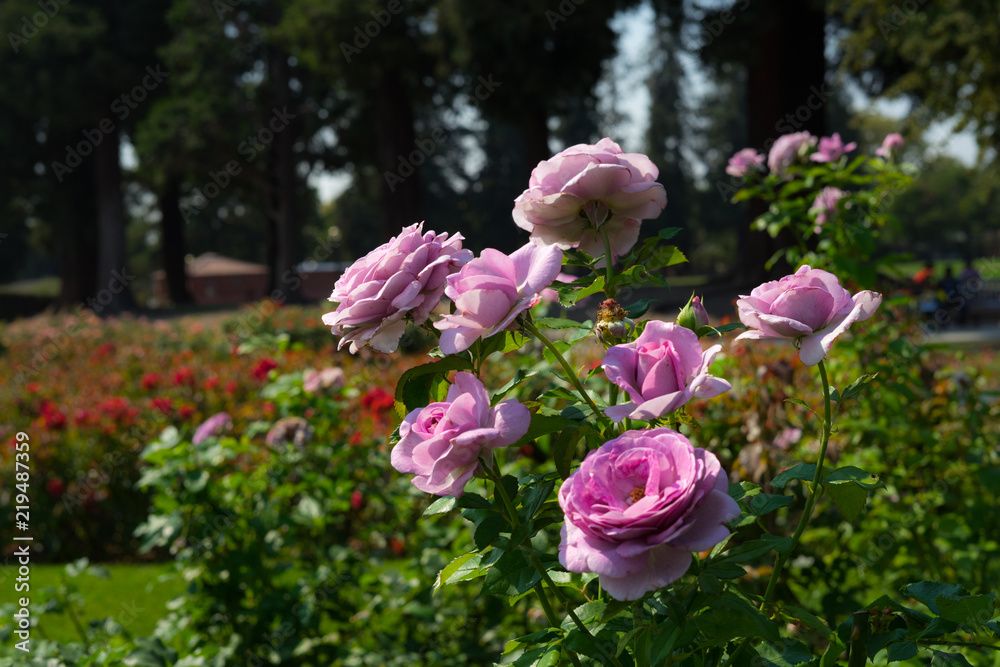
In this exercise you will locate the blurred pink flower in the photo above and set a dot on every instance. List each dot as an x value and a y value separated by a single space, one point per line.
789 149
831 148
892 143
328 378
744 162
212 427
825 205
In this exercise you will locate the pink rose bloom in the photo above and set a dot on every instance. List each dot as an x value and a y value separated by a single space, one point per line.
638 506
661 371
831 148
402 278
825 205
744 162
585 189
441 443
809 306
212 427
892 143
328 378
493 289
789 149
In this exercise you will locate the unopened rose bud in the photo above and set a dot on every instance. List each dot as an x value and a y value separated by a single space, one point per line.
693 315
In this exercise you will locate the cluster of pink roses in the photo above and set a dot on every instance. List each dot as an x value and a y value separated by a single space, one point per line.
638 505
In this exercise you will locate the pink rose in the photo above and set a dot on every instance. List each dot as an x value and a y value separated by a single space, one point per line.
493 289
212 427
638 506
892 143
744 162
586 189
809 306
441 443
661 371
789 149
831 148
825 205
402 278
328 378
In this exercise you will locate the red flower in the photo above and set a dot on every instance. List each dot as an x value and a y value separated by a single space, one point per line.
231 387
186 410
184 376
164 405
263 367
32 387
357 500
150 381
118 410
55 487
397 546
211 383
377 400
84 417
268 408
51 416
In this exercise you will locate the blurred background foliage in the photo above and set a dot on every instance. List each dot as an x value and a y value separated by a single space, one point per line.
138 133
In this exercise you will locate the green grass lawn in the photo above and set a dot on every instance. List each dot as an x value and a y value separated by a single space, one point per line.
134 595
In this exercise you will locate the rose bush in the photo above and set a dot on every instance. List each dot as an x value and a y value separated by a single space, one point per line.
586 192
638 506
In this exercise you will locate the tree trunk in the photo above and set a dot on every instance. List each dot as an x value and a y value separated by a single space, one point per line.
113 294
401 182
288 250
172 231
786 92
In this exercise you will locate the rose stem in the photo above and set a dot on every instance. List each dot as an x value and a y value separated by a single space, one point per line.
810 501
571 375
550 614
607 263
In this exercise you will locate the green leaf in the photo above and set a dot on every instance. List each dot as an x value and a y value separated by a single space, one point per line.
743 491
719 330
788 653
801 471
865 480
857 387
639 308
558 323
849 498
941 659
929 591
489 530
308 510
748 551
808 619
511 575
725 570
564 451
569 298
520 376
971 611
765 503
668 233
664 256
731 616
832 653
462 568
543 425
414 386
440 506
901 651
